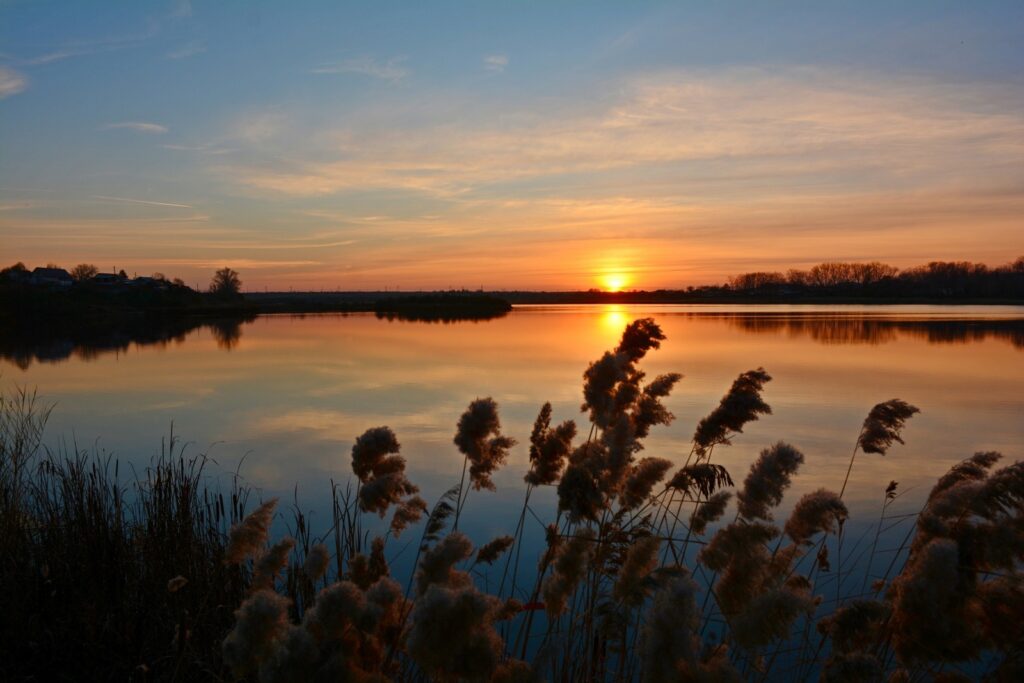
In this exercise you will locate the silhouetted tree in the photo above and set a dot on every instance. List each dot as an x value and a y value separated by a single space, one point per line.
84 271
225 283
18 267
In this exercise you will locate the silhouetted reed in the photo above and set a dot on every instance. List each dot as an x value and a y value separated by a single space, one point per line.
616 594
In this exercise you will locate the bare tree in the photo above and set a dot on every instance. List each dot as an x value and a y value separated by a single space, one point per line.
83 272
225 283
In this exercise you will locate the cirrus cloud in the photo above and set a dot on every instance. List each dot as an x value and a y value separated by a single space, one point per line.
11 82
138 126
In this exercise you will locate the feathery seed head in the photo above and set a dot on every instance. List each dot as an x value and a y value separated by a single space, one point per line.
478 436
742 404
883 424
248 537
769 477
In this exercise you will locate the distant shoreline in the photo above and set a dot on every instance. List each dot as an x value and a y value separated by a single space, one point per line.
364 301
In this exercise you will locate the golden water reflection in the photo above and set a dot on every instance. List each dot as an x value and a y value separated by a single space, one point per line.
292 393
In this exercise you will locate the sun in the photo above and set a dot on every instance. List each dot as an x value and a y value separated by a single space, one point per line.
614 282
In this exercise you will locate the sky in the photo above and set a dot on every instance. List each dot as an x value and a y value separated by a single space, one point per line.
508 145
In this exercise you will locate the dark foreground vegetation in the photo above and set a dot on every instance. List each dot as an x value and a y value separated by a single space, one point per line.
652 571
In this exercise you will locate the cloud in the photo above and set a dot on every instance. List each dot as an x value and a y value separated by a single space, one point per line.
392 70
138 126
182 9
744 128
140 201
206 148
18 206
11 82
52 57
496 62
185 51
259 128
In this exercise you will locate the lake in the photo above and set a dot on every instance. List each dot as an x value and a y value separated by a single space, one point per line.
281 398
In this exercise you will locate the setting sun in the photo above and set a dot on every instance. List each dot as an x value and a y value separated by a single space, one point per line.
614 282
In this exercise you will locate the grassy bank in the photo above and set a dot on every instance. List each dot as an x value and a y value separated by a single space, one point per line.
652 571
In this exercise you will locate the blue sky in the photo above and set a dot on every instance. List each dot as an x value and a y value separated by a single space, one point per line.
508 144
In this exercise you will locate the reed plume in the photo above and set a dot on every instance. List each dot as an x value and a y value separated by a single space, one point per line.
649 410
930 601
742 404
758 591
489 552
631 585
294 657
641 480
260 622
549 448
710 512
478 437
248 537
639 337
670 649
768 616
409 511
381 470
883 424
317 560
452 635
769 477
579 490
967 551
337 611
365 570
569 567
818 511
857 625
270 564
437 565
372 449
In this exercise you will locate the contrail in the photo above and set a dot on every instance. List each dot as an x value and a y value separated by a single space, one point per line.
140 201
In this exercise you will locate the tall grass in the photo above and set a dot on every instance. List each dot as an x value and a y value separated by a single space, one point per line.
650 572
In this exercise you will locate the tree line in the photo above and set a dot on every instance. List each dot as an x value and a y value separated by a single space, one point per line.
225 282
935 279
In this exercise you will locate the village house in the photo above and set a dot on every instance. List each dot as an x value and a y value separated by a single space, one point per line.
51 277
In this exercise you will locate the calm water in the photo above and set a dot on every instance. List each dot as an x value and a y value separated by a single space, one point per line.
289 394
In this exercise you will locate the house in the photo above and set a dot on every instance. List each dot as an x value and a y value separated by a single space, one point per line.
149 283
107 279
51 277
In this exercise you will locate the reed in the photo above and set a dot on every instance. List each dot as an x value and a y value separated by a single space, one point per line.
161 577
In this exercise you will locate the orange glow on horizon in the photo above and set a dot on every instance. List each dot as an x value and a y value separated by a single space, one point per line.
614 282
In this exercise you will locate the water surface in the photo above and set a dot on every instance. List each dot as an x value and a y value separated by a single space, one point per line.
289 394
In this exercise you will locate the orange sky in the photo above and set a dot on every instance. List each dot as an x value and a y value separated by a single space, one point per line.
661 146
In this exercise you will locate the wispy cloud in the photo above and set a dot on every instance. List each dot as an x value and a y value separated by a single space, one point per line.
51 57
259 128
186 51
11 82
17 206
147 202
138 126
814 126
391 70
496 62
207 148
